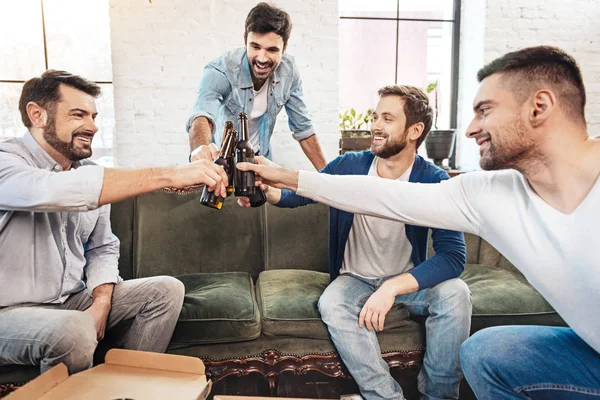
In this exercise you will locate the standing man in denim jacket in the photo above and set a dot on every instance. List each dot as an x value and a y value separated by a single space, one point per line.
375 263
259 80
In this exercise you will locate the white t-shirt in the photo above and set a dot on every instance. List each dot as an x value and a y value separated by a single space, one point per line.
556 252
259 108
377 247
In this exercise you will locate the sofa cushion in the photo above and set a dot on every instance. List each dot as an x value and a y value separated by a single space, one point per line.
502 297
288 303
218 307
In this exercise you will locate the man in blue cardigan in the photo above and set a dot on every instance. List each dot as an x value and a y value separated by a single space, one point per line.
375 263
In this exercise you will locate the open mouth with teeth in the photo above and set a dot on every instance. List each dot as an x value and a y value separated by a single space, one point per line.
262 68
484 144
85 139
379 139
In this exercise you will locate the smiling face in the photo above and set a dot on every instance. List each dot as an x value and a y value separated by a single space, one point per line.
389 127
264 51
499 127
71 126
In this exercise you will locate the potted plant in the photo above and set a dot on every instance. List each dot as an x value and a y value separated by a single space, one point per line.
440 142
353 136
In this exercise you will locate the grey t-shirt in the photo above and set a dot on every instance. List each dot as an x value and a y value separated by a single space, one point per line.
377 247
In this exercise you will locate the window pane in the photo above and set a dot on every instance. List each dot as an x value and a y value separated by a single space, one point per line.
75 44
427 9
371 8
103 141
21 40
424 57
367 61
10 118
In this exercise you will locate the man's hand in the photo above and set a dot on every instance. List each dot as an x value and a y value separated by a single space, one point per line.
203 172
205 152
99 311
274 176
100 307
273 194
376 308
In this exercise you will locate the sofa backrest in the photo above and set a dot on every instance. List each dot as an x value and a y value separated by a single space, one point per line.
297 238
169 234
174 235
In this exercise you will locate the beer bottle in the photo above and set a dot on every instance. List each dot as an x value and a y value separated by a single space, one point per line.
209 198
258 198
244 180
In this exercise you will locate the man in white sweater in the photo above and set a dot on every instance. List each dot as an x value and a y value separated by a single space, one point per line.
539 208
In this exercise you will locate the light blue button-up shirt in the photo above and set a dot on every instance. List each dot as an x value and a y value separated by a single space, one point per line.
226 90
54 240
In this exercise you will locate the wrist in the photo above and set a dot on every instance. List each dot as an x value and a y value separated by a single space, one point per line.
103 302
165 176
273 195
291 180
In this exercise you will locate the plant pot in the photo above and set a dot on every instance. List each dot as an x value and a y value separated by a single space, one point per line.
439 145
355 140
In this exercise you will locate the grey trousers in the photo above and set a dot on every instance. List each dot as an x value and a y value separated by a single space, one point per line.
48 334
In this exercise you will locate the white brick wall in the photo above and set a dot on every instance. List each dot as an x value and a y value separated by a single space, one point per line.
159 49
571 25
513 24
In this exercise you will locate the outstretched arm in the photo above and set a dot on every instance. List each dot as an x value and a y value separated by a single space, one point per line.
444 205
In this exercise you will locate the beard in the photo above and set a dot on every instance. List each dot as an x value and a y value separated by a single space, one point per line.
512 148
391 147
69 150
263 76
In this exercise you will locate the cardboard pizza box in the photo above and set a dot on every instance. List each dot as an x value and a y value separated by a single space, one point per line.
125 374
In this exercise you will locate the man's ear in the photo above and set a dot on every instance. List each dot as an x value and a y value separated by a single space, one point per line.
543 104
415 131
245 38
37 115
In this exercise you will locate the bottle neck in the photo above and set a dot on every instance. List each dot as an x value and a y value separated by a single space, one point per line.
243 133
228 145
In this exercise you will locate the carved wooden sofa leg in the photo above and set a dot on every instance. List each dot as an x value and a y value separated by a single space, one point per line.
271 363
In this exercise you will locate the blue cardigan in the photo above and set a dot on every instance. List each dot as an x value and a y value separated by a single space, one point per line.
449 246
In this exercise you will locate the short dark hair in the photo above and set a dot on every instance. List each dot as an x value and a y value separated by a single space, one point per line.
265 18
531 68
45 92
416 106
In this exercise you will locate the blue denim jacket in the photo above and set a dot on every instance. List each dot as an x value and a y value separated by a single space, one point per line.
226 90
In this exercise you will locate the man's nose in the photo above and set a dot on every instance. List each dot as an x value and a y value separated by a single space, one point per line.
473 128
262 56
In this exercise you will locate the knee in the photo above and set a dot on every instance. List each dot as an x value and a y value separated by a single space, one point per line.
453 296
73 340
481 353
331 304
170 289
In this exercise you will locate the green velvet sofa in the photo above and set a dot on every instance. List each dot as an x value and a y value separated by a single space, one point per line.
253 278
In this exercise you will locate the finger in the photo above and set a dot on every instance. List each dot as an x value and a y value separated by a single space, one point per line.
214 150
368 322
243 202
206 154
375 320
381 321
224 179
361 317
196 156
208 181
244 166
263 187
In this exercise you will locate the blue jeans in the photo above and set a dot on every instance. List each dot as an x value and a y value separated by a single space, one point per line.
531 362
448 308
